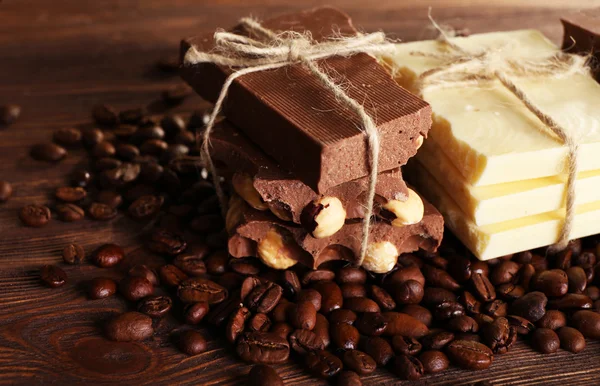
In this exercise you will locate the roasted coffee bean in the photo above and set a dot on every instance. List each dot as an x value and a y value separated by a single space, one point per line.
407 367
73 254
552 283
130 326
510 291
469 302
310 295
563 259
408 292
135 288
570 302
262 347
460 269
144 271
482 287
219 314
434 361
434 295
102 212
263 298
447 310
245 266
439 278
248 285
216 264
68 136
351 274
165 242
405 325
577 279
92 136
103 149
194 313
585 259
406 346
150 172
462 323
587 322
437 340
171 276
382 298
290 283
105 115
348 378
110 198
379 349
155 147
302 315
49 152
371 324
521 325
35 215
571 339
342 315
53 276
123 174
359 362
191 265
108 255
172 124
331 295
263 375
201 290
127 152
155 306
304 341
106 163
539 262
259 322
531 306
420 313
496 309
9 114
323 364
361 304
410 260
70 194
237 324
351 290
322 329
344 336
145 207
81 178
176 94
526 275
553 319
593 292
282 329
499 335
317 275
101 287
545 340
280 312
191 342
6 191
505 272
404 274
69 212
147 133
469 355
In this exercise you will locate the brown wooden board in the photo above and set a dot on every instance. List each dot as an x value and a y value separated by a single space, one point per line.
57 59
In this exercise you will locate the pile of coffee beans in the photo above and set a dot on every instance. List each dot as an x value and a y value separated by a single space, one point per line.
432 311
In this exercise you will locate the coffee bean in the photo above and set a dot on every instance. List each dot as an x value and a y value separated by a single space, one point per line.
352 290
331 295
130 326
134 288
482 287
53 276
216 264
407 367
526 275
92 136
462 323
245 267
68 136
505 272
439 278
510 291
408 292
108 255
469 355
302 315
434 361
282 329
379 349
237 324
359 362
447 310
571 339
290 283
409 260
6 191
531 306
552 283
545 340
382 298
73 254
191 265
141 270
499 335
172 124
553 319
420 313
352 275
322 329
154 147
194 313
317 275
259 322
570 301
49 152
9 114
342 315
81 178
310 295
165 242
361 304
437 340
201 290
434 296
35 215
404 274
522 325
101 212
405 325
101 287
593 292
263 375
563 259
496 308
406 346
105 115
69 212
344 336
323 364
577 279
191 342
176 94
587 322
106 163
155 306
263 298
103 149
145 207
304 341
348 378
262 347
460 269
70 194
371 324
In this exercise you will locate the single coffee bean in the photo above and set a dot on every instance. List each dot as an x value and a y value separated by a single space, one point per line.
304 341
407 367
70 194
323 364
219 314
108 255
434 361
371 324
141 270
9 114
447 310
317 275
237 324
130 326
342 315
105 115
539 263
361 304
264 297
122 175
526 275
73 254
577 279
379 349
331 295
570 301
153 147
353 290
282 329
106 163
418 312
460 269
497 308
53 276
103 149
505 272
553 319
405 325
134 288
359 362
410 260
587 322
245 267
382 298
176 94
463 323
92 136
571 339
165 242
522 325
408 292
545 340
199 290
259 322
290 284
101 287
68 136
552 283
593 292
49 152
172 124
101 212
191 265
262 347
348 378
69 212
344 336
510 291
499 335
145 207
35 215
126 151
322 329
437 340
531 306
302 315
404 274
439 278
563 259
406 346
194 313
435 295
155 306
310 295
469 355
263 375
482 287
191 342
351 274
216 264
6 191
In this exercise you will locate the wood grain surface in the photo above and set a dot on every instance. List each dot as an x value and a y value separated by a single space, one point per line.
57 59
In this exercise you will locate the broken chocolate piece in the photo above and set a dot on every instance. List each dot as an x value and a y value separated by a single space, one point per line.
582 35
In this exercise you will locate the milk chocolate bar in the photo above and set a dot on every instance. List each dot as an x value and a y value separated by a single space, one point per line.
294 119
582 34
280 189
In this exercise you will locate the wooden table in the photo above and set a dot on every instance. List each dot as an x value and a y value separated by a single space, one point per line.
57 59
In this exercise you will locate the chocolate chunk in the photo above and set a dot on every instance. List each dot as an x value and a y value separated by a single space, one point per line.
582 34
308 131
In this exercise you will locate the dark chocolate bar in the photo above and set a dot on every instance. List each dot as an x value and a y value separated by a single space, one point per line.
293 118
582 35
234 153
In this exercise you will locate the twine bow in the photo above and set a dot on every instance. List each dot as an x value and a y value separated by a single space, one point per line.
274 51
462 68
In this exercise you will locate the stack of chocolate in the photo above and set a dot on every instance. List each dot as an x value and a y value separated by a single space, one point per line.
297 160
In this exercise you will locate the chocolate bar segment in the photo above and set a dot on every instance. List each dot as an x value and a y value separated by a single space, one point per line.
294 119
235 154
582 35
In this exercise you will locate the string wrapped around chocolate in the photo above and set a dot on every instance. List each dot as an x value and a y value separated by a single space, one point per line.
461 68
276 50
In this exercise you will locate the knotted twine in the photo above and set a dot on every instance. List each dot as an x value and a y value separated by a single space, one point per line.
461 68
277 50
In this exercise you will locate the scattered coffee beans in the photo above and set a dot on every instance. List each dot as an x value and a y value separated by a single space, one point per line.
130 326
53 276
73 254
35 215
101 287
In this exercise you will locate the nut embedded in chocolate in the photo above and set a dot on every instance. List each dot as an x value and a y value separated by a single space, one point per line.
243 186
275 252
381 257
402 213
323 217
